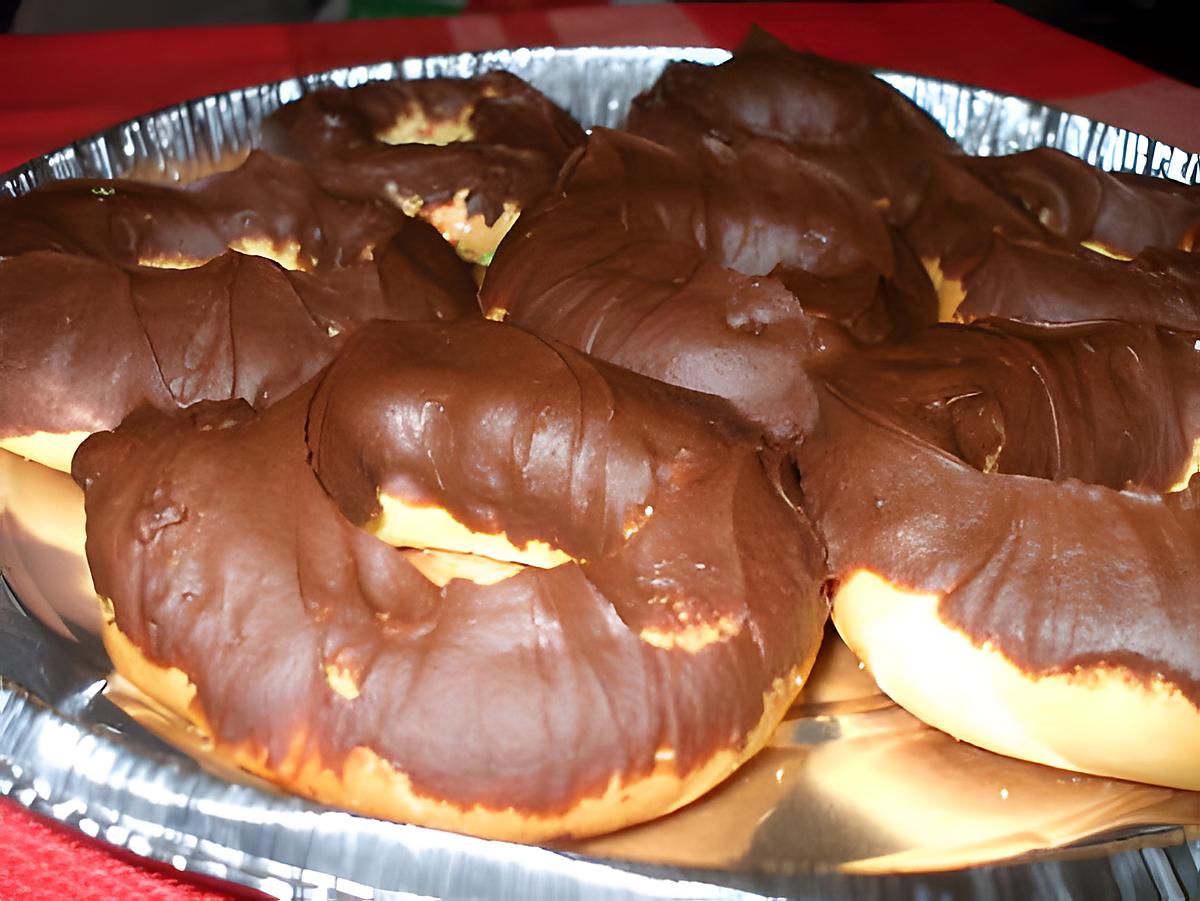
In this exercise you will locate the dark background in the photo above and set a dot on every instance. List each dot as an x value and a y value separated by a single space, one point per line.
1161 34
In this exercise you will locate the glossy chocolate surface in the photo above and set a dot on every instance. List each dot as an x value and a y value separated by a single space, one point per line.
84 342
265 198
226 557
722 271
973 462
1040 283
958 216
833 114
518 140
1125 213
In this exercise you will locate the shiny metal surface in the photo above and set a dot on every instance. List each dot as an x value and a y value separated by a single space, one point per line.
853 798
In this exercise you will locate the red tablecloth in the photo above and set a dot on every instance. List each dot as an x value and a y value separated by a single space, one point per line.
61 87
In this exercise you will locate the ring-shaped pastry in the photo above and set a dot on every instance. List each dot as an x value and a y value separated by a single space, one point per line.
467 155
119 295
724 271
1014 537
467 577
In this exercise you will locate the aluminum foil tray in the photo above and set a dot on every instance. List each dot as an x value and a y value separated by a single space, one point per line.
852 798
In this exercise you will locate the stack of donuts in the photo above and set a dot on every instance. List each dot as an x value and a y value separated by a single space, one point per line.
985 371
539 538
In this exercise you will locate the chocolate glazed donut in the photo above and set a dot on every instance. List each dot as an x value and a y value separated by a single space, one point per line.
1014 535
831 114
84 342
119 295
1119 215
724 271
94 326
466 154
1091 246
595 577
267 206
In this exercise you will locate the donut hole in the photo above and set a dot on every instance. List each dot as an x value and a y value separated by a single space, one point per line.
470 234
171 262
978 426
443 549
1105 250
416 127
950 291
1192 467
285 253
443 567
1190 240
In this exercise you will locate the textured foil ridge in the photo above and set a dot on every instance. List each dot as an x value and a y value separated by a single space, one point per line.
596 85
797 820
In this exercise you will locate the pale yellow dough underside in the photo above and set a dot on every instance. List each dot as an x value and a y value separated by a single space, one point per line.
1102 721
283 253
371 785
406 525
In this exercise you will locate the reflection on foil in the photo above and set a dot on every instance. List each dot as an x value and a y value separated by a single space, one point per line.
850 786
864 787
890 795
41 545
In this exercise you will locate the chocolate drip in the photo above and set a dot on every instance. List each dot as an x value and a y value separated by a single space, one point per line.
1108 403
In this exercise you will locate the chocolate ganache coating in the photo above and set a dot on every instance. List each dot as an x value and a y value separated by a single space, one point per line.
1107 403
505 141
218 533
1043 283
1123 213
722 271
833 114
979 474
958 215
83 342
122 222
264 199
